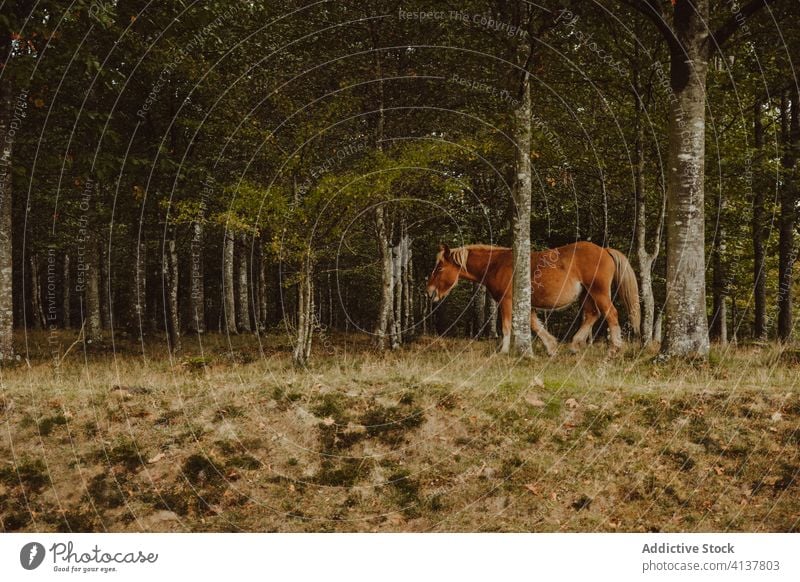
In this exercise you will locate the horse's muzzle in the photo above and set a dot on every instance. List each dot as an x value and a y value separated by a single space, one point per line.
433 294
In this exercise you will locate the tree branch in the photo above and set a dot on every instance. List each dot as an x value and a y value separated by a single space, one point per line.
652 10
736 21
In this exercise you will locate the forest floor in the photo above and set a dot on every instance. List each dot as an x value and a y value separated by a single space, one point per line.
443 435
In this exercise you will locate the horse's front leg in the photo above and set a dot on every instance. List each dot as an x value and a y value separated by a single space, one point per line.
550 342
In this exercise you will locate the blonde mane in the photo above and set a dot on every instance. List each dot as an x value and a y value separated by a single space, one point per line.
460 255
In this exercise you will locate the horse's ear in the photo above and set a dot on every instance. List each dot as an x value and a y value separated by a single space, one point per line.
445 250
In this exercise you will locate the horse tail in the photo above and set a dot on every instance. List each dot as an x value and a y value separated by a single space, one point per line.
627 288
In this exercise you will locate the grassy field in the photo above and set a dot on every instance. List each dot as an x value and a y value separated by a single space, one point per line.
444 435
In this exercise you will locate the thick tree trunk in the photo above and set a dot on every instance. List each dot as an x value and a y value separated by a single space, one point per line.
757 226
171 269
686 329
93 319
788 218
384 319
521 225
305 314
6 255
229 298
197 296
243 314
67 292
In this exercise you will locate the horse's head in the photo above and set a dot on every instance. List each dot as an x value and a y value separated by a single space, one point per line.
444 276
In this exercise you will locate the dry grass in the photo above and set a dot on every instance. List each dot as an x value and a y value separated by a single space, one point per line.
444 435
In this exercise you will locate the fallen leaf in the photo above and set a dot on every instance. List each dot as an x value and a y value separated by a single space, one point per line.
328 421
156 458
571 403
532 488
776 416
537 382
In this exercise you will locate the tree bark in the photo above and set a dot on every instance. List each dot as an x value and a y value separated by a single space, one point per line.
93 319
383 321
262 288
171 269
479 310
521 221
719 321
243 314
65 285
305 314
197 296
757 226
686 325
491 316
6 255
228 259
788 218
105 285
37 312
140 305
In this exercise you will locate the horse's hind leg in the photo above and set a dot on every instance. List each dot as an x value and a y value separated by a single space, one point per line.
603 302
590 317
550 342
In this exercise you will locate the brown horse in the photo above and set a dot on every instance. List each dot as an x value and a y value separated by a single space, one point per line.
559 278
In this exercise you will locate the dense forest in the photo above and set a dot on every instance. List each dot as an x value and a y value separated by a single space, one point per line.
177 168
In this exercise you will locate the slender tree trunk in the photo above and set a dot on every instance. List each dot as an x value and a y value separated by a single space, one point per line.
171 269
105 286
37 312
243 315
491 316
788 218
383 322
479 310
228 260
408 300
686 322
757 226
6 255
93 323
521 229
305 314
65 285
719 327
262 288
140 305
197 296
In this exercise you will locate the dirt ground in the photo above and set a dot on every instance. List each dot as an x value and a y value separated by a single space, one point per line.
443 435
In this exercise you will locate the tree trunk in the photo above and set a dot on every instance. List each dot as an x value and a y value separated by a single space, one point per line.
229 298
105 286
491 317
383 323
65 285
197 297
37 312
757 226
243 315
686 329
171 269
521 225
6 255
645 259
140 305
408 296
788 218
719 321
305 314
479 310
93 319
262 288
